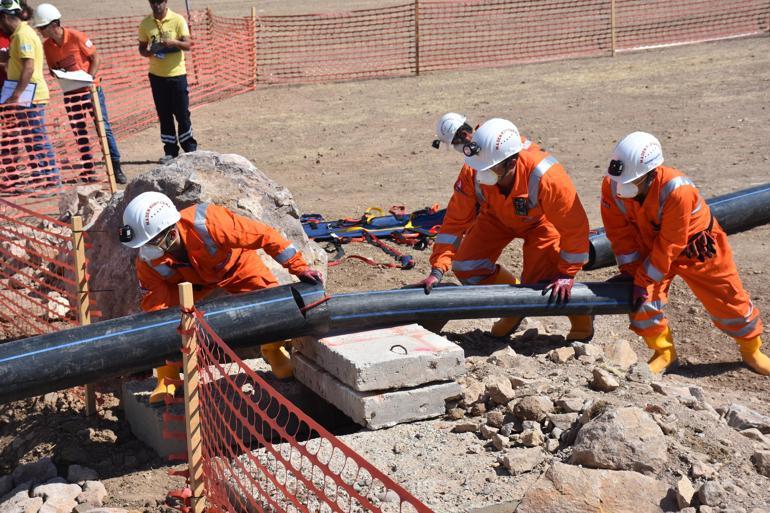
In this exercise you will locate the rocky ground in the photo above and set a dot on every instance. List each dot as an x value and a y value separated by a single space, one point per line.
550 421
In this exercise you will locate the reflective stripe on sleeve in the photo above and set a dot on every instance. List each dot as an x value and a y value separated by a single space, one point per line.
573 258
445 238
164 270
473 265
618 201
537 174
203 231
653 272
666 191
285 255
627 258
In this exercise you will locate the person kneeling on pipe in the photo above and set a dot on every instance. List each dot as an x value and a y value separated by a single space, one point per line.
660 227
210 247
510 188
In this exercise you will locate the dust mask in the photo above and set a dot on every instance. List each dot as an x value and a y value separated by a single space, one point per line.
628 190
148 252
487 177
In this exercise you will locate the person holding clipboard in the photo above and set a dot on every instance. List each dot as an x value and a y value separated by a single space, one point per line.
72 51
26 90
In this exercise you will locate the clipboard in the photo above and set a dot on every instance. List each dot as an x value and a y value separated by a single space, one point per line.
27 96
73 80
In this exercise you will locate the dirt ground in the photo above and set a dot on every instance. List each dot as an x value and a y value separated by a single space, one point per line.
341 148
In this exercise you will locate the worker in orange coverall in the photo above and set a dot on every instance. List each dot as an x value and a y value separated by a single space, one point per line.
511 188
211 247
660 227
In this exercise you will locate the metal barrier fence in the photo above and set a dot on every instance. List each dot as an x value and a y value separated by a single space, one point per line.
43 282
259 452
234 55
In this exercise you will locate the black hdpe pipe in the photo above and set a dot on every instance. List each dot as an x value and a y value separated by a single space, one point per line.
116 347
38 365
736 212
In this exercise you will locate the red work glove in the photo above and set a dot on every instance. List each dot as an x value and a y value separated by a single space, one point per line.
560 287
434 278
702 246
639 296
311 276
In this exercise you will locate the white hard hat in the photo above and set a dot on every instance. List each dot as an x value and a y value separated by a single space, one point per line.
635 155
493 142
448 125
45 14
145 217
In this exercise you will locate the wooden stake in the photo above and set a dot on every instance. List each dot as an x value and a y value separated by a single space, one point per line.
192 399
417 37
98 115
84 304
612 26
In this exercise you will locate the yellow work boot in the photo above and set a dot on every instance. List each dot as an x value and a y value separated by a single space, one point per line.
665 353
752 356
164 387
279 359
582 328
507 325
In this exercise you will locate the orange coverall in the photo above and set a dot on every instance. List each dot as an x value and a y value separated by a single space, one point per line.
648 240
221 249
542 208
462 210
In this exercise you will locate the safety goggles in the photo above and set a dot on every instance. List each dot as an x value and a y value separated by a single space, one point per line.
615 168
471 148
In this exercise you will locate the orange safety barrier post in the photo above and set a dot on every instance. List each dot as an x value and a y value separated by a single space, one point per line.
39 291
261 453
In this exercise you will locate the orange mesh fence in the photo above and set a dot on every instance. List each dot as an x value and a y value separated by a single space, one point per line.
645 23
38 284
234 55
321 48
46 150
261 453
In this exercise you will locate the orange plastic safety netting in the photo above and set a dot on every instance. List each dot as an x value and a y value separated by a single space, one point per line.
46 150
38 280
261 453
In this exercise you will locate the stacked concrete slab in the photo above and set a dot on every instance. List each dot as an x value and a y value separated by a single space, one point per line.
384 377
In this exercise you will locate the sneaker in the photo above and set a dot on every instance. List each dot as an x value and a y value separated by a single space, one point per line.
165 159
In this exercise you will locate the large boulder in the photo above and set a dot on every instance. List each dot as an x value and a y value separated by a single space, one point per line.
227 180
568 489
622 439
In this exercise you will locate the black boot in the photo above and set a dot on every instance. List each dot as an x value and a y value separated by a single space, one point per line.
119 176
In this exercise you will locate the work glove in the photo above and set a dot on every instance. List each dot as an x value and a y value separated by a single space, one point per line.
560 287
434 278
311 276
702 246
620 278
639 296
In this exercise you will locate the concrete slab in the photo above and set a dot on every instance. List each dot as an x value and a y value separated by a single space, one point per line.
376 410
384 359
147 421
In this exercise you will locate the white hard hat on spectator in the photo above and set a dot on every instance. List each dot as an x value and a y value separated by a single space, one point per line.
635 155
145 217
493 142
45 14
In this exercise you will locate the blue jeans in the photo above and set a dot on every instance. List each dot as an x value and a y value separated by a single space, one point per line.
42 160
77 105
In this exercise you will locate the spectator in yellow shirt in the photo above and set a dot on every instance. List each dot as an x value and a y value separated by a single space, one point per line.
25 67
163 38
